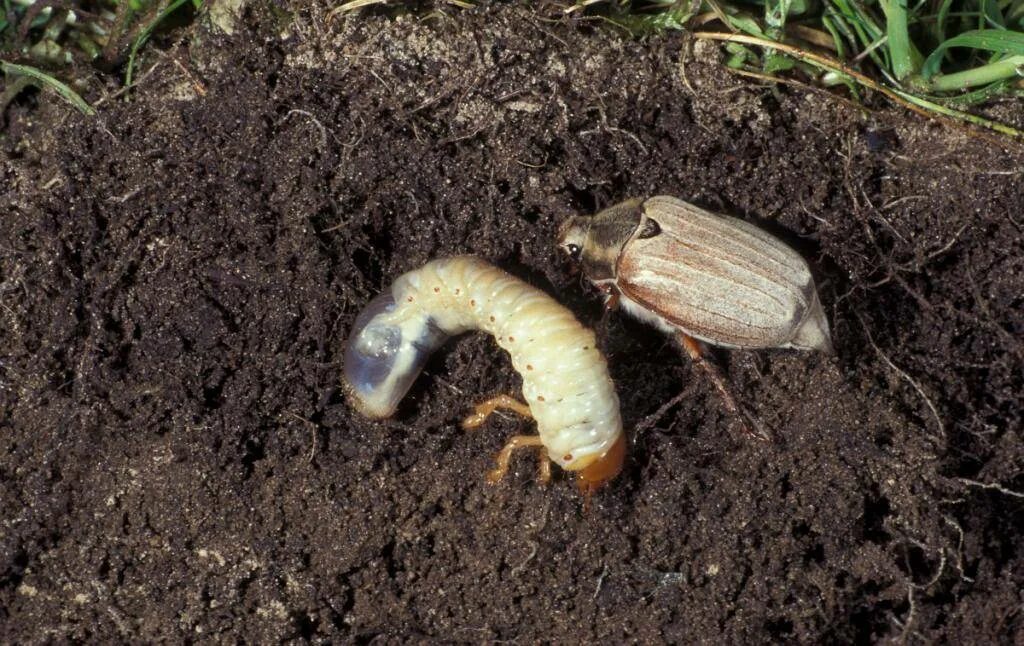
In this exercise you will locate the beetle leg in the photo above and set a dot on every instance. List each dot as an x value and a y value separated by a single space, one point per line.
656 416
485 409
611 303
505 455
696 351
611 297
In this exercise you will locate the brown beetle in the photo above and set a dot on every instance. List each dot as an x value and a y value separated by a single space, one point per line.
700 276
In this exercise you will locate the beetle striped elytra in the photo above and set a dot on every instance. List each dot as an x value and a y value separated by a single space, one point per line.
716 278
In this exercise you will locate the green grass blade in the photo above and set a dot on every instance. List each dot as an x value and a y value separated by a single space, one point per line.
991 40
144 36
775 12
993 16
858 15
63 90
940 21
905 58
865 31
831 26
981 95
746 24
1004 69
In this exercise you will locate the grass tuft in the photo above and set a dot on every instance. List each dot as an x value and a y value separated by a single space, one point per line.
938 56
56 42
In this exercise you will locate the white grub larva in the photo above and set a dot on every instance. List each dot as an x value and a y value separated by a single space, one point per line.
565 378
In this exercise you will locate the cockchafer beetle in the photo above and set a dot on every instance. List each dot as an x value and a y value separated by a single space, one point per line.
700 276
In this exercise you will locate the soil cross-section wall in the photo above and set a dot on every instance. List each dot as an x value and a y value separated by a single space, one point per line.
178 275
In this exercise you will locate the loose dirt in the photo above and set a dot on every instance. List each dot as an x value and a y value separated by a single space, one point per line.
178 275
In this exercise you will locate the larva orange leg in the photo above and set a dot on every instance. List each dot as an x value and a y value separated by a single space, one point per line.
485 409
694 348
544 469
505 455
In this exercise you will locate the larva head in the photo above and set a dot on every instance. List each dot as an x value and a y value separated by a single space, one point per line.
386 351
597 240
604 468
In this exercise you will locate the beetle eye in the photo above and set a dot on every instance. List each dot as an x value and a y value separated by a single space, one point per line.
573 250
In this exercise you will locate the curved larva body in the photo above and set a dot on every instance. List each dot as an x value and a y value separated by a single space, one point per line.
565 378
713 277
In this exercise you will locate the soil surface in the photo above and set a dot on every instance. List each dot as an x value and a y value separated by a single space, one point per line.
178 276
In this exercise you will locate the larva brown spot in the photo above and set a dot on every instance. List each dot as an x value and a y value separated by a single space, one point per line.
457 290
529 367
492 319
437 290
567 457
540 398
511 339
409 299
586 347
472 302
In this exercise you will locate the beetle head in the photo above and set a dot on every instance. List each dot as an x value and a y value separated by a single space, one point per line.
572 236
597 240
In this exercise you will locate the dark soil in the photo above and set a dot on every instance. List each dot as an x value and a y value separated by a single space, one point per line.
178 275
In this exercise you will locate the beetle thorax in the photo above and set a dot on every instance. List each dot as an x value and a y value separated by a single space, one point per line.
607 234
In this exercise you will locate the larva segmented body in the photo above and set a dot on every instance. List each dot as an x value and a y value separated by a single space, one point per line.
565 378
